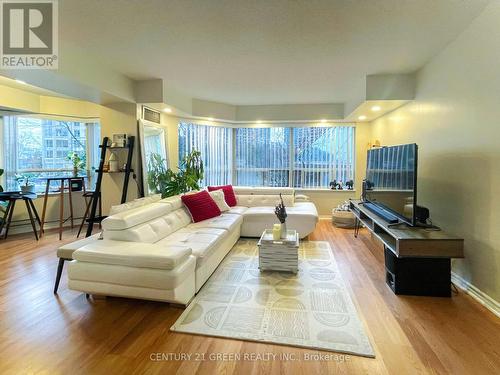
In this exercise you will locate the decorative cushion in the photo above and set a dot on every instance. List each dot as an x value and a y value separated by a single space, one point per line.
218 197
229 196
201 206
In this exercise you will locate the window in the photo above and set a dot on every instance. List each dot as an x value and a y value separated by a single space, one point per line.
29 147
302 157
323 154
215 145
262 156
63 143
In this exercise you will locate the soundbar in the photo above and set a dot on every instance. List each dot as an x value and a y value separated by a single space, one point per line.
379 211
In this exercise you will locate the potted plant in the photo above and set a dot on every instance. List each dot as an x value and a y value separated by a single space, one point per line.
157 173
25 182
167 182
79 162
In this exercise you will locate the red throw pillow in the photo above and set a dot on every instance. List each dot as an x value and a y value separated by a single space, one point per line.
201 206
229 196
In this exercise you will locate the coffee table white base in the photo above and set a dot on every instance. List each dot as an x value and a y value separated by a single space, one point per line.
280 255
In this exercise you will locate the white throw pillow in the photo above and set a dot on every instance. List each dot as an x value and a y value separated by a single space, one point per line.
218 197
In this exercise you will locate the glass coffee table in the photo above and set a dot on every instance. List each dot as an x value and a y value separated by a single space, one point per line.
279 255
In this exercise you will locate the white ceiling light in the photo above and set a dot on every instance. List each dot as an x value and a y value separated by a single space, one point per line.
168 110
376 108
323 120
362 117
259 121
210 119
20 81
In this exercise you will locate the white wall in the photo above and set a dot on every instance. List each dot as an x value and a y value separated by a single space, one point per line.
455 121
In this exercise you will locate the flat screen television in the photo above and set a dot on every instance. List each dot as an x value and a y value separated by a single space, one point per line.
391 180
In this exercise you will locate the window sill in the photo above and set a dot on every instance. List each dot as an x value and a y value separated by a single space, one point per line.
57 193
324 190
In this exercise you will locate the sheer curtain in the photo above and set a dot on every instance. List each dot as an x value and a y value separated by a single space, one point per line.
9 152
215 145
93 151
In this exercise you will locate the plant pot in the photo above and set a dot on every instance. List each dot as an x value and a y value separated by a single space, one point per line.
76 185
28 189
283 230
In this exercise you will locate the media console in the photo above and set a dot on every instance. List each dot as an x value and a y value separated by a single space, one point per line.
417 260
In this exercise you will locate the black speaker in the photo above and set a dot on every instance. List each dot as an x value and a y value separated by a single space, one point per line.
422 214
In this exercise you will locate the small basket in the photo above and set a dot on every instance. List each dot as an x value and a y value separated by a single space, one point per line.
343 219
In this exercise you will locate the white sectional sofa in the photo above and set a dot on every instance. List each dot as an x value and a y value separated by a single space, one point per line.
151 249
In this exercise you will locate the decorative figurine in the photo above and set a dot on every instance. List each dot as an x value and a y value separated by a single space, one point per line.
280 212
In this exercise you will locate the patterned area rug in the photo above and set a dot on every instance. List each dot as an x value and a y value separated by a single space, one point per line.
312 309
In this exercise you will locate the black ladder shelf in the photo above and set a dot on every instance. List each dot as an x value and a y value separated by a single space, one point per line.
96 197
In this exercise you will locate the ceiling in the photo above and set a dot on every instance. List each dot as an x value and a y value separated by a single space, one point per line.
246 52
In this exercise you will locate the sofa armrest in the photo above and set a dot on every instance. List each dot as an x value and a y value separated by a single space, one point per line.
133 254
66 251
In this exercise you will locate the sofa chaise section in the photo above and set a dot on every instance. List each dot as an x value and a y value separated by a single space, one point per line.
138 270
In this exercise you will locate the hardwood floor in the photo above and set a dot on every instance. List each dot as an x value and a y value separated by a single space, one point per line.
43 333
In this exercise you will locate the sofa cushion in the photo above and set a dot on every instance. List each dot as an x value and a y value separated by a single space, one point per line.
202 241
229 196
134 204
201 206
263 190
301 217
133 254
66 251
237 210
265 200
114 275
135 216
175 202
152 230
224 221
218 197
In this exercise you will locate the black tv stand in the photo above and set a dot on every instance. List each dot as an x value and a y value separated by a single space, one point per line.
417 260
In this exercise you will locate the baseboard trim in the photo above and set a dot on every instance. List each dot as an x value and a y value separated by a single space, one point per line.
477 294
25 227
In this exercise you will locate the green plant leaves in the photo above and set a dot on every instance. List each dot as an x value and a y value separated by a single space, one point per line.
168 182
